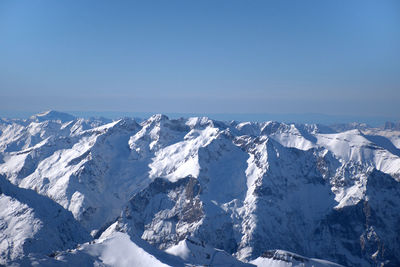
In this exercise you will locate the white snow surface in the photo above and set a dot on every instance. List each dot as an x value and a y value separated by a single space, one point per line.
281 258
196 253
118 250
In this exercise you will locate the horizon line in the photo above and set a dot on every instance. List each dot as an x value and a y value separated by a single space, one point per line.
309 117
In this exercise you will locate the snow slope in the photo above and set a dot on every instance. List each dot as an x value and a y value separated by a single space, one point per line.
281 258
33 224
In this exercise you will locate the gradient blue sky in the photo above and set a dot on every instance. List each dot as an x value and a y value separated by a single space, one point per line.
332 57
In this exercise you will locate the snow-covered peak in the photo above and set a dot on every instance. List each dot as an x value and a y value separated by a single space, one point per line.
155 119
52 115
198 122
249 128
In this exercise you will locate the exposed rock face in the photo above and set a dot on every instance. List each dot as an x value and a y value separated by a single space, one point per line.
165 212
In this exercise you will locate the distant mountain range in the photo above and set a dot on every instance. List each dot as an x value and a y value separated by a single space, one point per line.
309 118
196 191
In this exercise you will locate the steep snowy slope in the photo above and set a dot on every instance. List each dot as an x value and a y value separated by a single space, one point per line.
33 224
245 188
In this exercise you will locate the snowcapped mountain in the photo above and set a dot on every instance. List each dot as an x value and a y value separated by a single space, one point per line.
197 191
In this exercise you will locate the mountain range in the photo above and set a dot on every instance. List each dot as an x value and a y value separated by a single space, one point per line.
196 191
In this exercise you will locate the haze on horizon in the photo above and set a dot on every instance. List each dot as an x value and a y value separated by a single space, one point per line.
330 57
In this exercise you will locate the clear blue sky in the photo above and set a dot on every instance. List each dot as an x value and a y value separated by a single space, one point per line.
249 56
